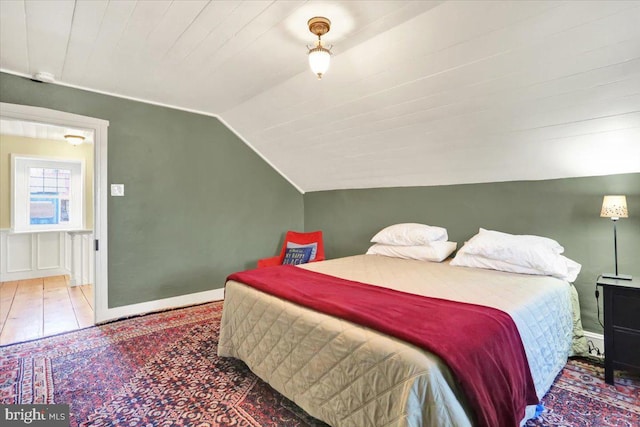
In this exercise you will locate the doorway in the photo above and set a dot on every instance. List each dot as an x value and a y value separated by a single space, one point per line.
57 262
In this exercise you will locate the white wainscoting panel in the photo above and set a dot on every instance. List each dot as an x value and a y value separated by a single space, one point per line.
18 252
67 251
87 259
49 250
81 257
33 255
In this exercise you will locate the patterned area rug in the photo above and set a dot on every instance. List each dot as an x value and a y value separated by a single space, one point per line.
163 370
579 397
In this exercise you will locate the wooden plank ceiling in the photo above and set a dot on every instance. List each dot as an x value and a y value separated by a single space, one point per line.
418 93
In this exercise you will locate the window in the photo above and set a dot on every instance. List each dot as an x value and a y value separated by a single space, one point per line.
47 194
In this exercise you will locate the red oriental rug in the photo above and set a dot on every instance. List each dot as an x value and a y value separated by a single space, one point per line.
162 369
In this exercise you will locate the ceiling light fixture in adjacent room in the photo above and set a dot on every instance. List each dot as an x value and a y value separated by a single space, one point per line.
319 55
74 139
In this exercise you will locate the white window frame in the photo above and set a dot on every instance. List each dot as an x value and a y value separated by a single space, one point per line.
21 197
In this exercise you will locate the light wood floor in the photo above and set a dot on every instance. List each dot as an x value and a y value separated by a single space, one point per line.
36 308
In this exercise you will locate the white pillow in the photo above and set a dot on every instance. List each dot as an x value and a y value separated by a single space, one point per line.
573 269
435 251
469 260
477 261
410 234
517 254
531 252
497 245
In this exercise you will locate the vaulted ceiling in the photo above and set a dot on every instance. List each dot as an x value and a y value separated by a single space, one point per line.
418 93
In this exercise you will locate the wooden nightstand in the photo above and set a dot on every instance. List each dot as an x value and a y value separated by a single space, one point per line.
621 300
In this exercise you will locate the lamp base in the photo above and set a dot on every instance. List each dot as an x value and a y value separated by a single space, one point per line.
617 277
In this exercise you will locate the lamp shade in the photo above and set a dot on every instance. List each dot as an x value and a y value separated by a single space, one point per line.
614 207
319 60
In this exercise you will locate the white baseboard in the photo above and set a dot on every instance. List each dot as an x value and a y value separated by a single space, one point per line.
596 339
158 305
32 274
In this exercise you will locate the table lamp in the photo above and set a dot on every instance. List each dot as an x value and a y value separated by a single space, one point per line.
615 207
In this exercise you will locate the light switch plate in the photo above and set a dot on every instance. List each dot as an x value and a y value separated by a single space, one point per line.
117 189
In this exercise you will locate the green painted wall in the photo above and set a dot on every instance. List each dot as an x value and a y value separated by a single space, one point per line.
564 209
199 204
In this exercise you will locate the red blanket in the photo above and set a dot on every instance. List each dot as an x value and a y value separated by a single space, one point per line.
481 345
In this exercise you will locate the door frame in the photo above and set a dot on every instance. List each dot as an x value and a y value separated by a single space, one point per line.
100 223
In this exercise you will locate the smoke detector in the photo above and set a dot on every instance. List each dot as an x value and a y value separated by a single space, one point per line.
43 77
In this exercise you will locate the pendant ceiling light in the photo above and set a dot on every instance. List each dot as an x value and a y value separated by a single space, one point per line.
319 56
74 139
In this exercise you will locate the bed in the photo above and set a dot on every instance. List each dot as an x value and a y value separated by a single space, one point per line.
349 375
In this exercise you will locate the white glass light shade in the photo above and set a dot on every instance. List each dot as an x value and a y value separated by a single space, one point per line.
74 139
319 60
614 207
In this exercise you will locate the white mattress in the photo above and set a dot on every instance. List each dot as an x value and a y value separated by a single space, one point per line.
349 375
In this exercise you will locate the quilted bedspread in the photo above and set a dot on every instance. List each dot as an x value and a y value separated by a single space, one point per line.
480 345
349 375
